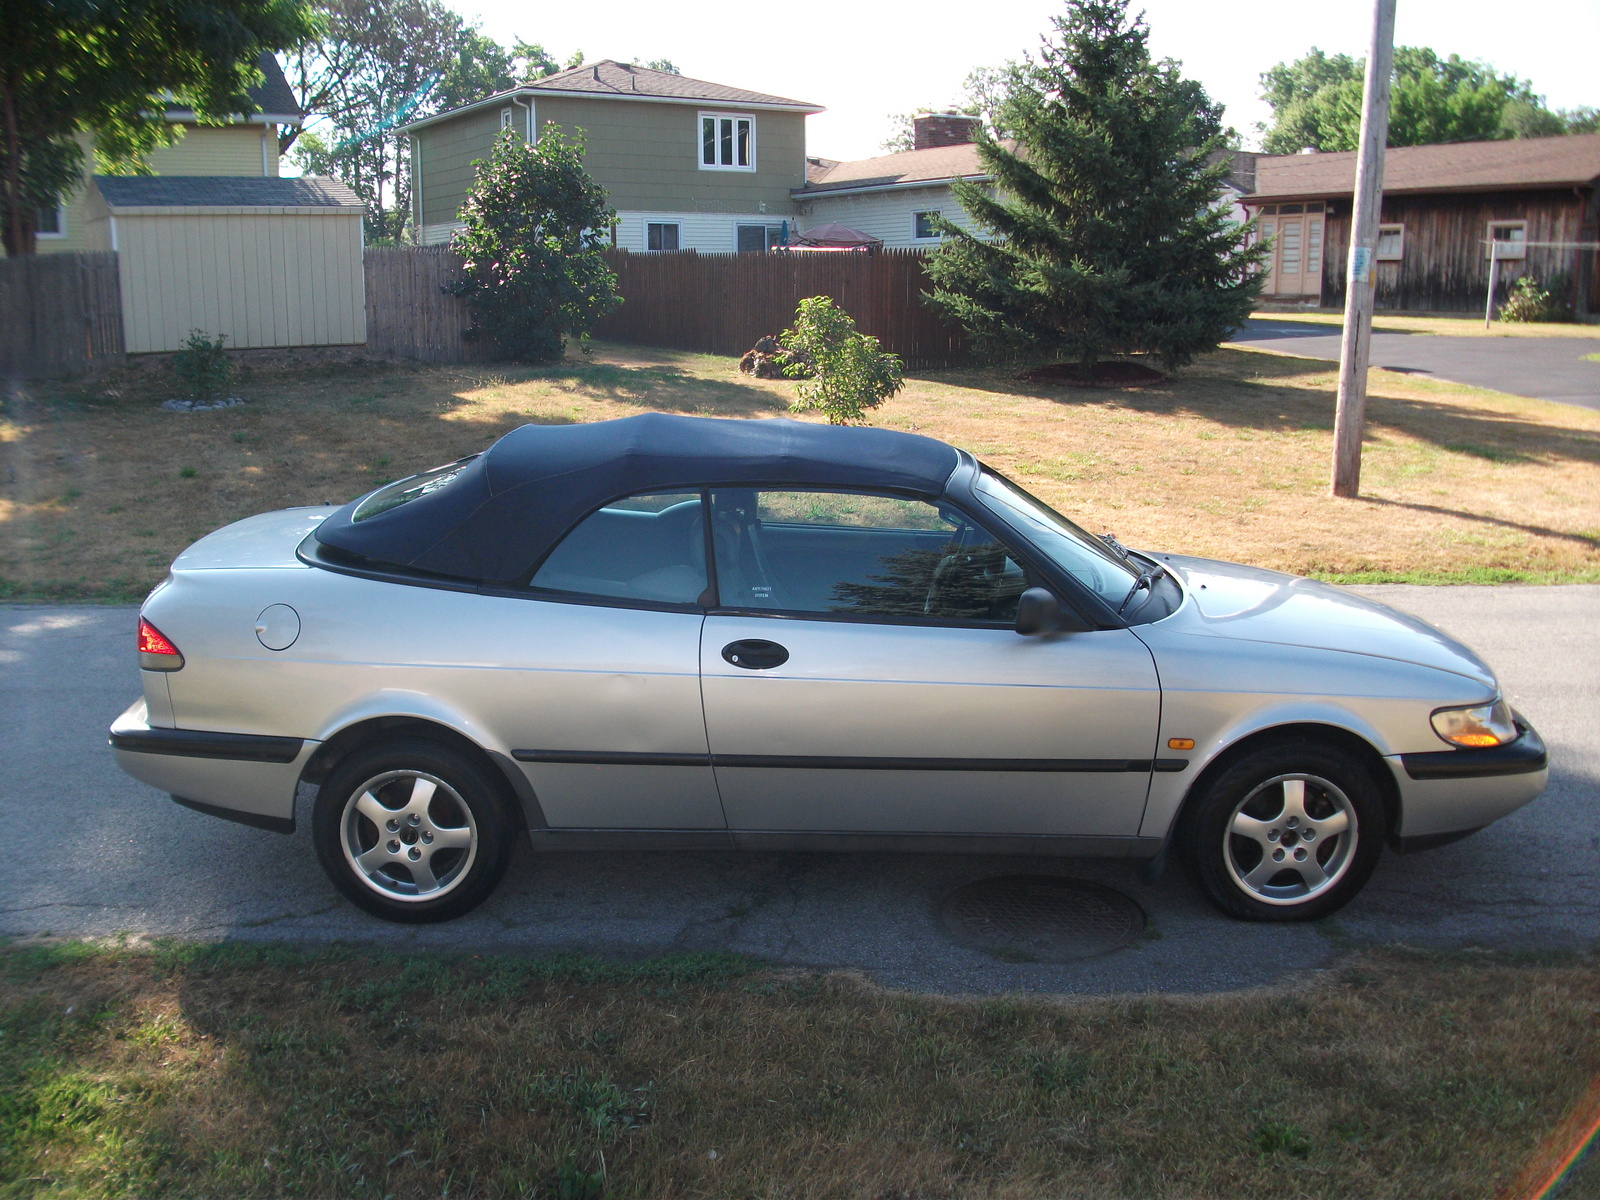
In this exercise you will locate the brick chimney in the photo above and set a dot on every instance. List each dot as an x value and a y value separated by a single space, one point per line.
941 129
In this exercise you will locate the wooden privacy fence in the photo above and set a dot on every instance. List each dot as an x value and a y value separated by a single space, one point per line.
60 314
409 313
723 303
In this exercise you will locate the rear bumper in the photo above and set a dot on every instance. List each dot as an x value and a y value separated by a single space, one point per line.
249 778
1456 792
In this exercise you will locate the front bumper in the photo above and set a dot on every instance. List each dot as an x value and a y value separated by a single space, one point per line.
1446 792
244 777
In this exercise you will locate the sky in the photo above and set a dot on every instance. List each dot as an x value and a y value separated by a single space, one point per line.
865 59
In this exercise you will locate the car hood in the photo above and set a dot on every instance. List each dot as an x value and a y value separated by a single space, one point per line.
1227 600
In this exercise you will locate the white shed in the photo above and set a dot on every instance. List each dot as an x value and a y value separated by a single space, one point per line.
267 261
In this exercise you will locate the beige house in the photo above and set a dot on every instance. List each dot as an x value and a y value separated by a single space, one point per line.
246 145
688 164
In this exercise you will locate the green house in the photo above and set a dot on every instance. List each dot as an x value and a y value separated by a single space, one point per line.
687 164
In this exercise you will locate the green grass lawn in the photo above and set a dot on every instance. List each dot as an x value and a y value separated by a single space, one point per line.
261 1070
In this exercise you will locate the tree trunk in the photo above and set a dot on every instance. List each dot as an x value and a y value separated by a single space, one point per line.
18 234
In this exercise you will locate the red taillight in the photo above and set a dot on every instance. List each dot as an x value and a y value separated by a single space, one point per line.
156 653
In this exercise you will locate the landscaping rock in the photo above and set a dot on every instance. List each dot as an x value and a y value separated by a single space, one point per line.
200 405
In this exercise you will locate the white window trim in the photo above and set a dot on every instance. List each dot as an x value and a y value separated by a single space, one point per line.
915 236
1397 255
678 225
61 226
506 117
1521 243
699 139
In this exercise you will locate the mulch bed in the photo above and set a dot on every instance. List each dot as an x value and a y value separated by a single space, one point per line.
1103 374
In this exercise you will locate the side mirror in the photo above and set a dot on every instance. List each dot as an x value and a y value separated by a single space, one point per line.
1039 612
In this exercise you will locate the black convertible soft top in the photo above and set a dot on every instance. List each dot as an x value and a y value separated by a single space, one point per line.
504 511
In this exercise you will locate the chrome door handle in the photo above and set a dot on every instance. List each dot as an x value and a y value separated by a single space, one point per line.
755 654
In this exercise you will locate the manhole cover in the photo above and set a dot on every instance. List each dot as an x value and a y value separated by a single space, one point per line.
1041 918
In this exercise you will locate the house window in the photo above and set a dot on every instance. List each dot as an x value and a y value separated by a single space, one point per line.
1391 243
662 236
759 238
922 224
727 143
50 222
505 118
1509 238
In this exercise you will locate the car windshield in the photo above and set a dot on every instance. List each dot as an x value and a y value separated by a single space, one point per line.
1085 557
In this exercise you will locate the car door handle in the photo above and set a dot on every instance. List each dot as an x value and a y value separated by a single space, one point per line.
755 654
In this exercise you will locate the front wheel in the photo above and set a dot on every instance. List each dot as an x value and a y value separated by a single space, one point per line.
412 831
1290 832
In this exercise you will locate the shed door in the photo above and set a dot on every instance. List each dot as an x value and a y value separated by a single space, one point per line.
1295 267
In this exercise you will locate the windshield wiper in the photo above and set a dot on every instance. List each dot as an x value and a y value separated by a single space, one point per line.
1147 577
1116 547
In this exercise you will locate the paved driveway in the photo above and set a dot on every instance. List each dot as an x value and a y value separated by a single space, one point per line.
89 851
1552 368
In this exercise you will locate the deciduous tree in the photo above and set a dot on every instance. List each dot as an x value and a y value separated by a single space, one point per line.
1316 103
536 224
109 67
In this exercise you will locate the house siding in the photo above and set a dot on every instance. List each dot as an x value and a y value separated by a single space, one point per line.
217 150
887 216
646 156
446 153
1444 266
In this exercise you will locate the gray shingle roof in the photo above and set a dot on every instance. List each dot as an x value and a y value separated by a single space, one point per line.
610 78
219 191
272 95
935 165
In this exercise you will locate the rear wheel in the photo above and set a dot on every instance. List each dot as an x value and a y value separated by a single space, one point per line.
412 831
1290 832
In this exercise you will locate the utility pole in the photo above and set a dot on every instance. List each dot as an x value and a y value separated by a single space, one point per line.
1356 342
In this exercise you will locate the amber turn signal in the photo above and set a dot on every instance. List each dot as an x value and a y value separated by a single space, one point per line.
1180 743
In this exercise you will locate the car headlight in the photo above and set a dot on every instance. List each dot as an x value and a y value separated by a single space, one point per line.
1477 725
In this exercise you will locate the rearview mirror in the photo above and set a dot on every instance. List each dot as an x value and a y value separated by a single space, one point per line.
1039 612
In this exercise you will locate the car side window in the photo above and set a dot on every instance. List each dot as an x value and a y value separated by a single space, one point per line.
859 554
649 547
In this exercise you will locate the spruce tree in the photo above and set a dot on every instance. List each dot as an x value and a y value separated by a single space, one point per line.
1106 232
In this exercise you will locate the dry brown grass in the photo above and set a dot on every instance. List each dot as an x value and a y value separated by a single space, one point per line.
99 489
263 1071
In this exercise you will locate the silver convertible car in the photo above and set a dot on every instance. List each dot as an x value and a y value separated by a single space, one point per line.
684 633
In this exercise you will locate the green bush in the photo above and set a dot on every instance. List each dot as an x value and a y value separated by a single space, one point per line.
842 372
202 367
1529 301
535 227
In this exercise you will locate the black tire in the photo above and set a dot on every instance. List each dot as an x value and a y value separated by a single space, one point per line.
1231 837
460 840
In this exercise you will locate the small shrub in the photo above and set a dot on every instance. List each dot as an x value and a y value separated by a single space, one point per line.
202 367
1281 1137
847 372
1529 301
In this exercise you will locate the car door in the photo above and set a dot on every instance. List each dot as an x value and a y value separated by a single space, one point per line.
612 728
861 673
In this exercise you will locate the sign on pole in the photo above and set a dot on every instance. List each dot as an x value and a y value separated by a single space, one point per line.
1356 342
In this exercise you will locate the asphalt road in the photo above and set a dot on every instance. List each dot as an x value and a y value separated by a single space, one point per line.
1550 368
91 852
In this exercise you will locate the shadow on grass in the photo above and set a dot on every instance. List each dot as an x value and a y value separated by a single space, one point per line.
1583 539
1245 390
